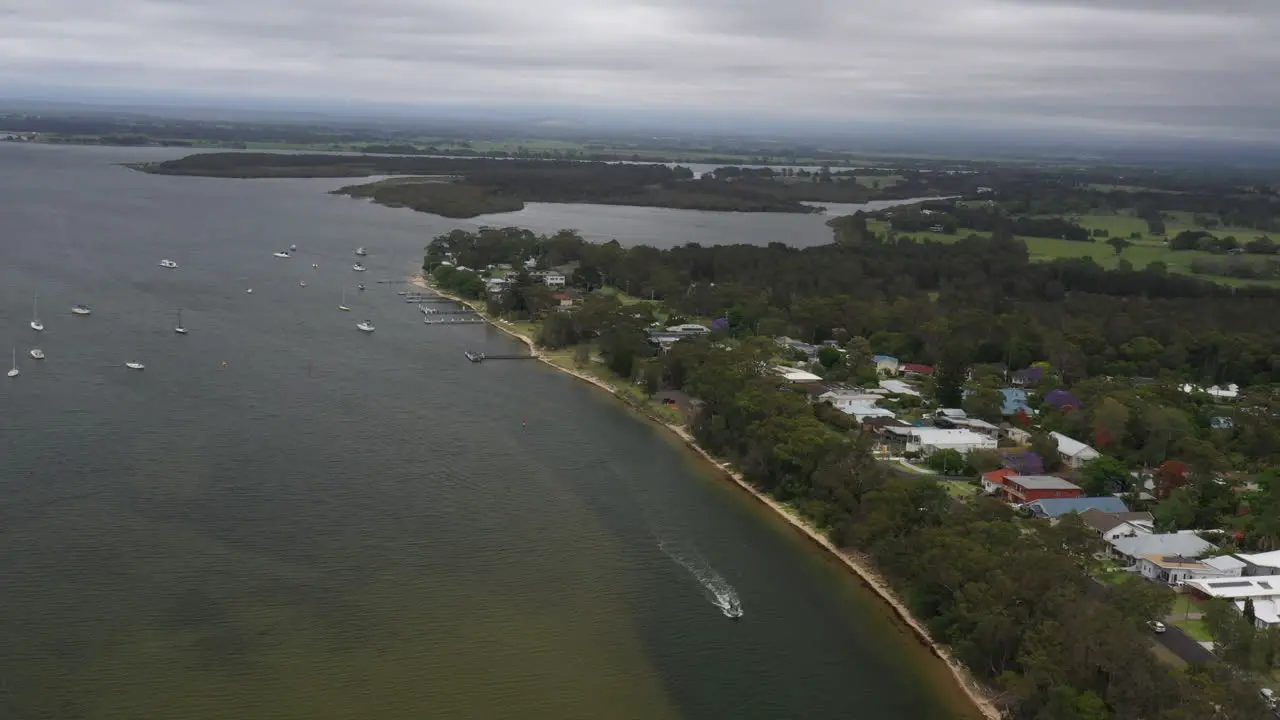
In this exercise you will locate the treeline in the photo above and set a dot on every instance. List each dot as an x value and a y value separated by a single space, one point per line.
1208 242
950 217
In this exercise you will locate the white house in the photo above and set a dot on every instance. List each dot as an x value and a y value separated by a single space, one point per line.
1267 563
897 387
794 375
553 280
1263 590
1230 392
846 399
1074 453
928 440
1176 570
1184 543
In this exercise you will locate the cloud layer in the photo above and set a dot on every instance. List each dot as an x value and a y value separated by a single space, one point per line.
1176 66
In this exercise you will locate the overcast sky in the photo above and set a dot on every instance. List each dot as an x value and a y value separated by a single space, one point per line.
1194 67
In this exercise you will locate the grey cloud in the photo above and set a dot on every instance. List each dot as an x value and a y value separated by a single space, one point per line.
1173 66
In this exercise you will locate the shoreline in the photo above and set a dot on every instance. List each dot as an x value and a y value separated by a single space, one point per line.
860 567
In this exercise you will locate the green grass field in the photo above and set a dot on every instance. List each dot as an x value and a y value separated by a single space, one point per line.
1140 254
1195 628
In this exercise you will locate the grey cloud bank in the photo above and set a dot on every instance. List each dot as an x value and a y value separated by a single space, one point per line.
1170 67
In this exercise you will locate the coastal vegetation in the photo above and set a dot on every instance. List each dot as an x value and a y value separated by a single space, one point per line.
484 185
1012 597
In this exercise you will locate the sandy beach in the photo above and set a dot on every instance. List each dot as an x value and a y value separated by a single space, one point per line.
859 566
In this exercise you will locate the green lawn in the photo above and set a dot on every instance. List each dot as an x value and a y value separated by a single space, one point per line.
957 489
1185 604
1140 254
1194 628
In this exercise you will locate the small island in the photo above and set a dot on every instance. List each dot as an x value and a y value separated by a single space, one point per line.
467 187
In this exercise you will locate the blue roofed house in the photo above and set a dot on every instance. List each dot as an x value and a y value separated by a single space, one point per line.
886 364
1015 399
1054 508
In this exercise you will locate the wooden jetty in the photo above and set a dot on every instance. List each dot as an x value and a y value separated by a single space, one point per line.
476 357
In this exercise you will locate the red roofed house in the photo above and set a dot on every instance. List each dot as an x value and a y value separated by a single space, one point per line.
1029 488
993 481
565 300
917 369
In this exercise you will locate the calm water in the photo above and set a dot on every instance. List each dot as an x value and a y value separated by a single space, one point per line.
283 517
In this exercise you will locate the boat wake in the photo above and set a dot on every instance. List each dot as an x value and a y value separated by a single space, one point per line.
715 588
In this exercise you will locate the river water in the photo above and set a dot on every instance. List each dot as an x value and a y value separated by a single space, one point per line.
282 517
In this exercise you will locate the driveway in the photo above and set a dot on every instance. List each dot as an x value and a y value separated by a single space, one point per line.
1183 645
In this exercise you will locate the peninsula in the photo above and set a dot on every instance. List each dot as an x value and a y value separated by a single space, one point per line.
467 187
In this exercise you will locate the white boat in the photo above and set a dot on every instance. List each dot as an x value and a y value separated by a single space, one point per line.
293 248
365 326
168 264
13 372
358 267
35 314
281 254
315 265
135 365
80 310
402 292
302 283
360 287
361 252
179 328
343 306
37 353
250 291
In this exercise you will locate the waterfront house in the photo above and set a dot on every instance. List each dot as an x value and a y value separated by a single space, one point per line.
886 364
1177 570
928 440
897 387
1114 525
1073 452
1021 489
1263 590
917 370
1054 508
1015 401
993 482
1185 543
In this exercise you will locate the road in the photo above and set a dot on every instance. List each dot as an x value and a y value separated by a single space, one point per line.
1174 639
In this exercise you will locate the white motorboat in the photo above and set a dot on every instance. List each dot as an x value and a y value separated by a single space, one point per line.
315 265
361 252
168 264
302 283
365 326
358 267
80 310
250 291
402 292
35 314
37 353
180 328
135 365
343 306
281 254
13 372
360 287
293 248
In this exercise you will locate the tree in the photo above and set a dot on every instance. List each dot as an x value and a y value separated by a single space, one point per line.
1110 423
857 353
1046 447
986 403
946 462
1105 475
983 461
581 355
1178 512
1118 244
828 356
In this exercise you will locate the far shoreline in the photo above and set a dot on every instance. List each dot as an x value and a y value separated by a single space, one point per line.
859 566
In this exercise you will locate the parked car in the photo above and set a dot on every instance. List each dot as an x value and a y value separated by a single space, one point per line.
1156 626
